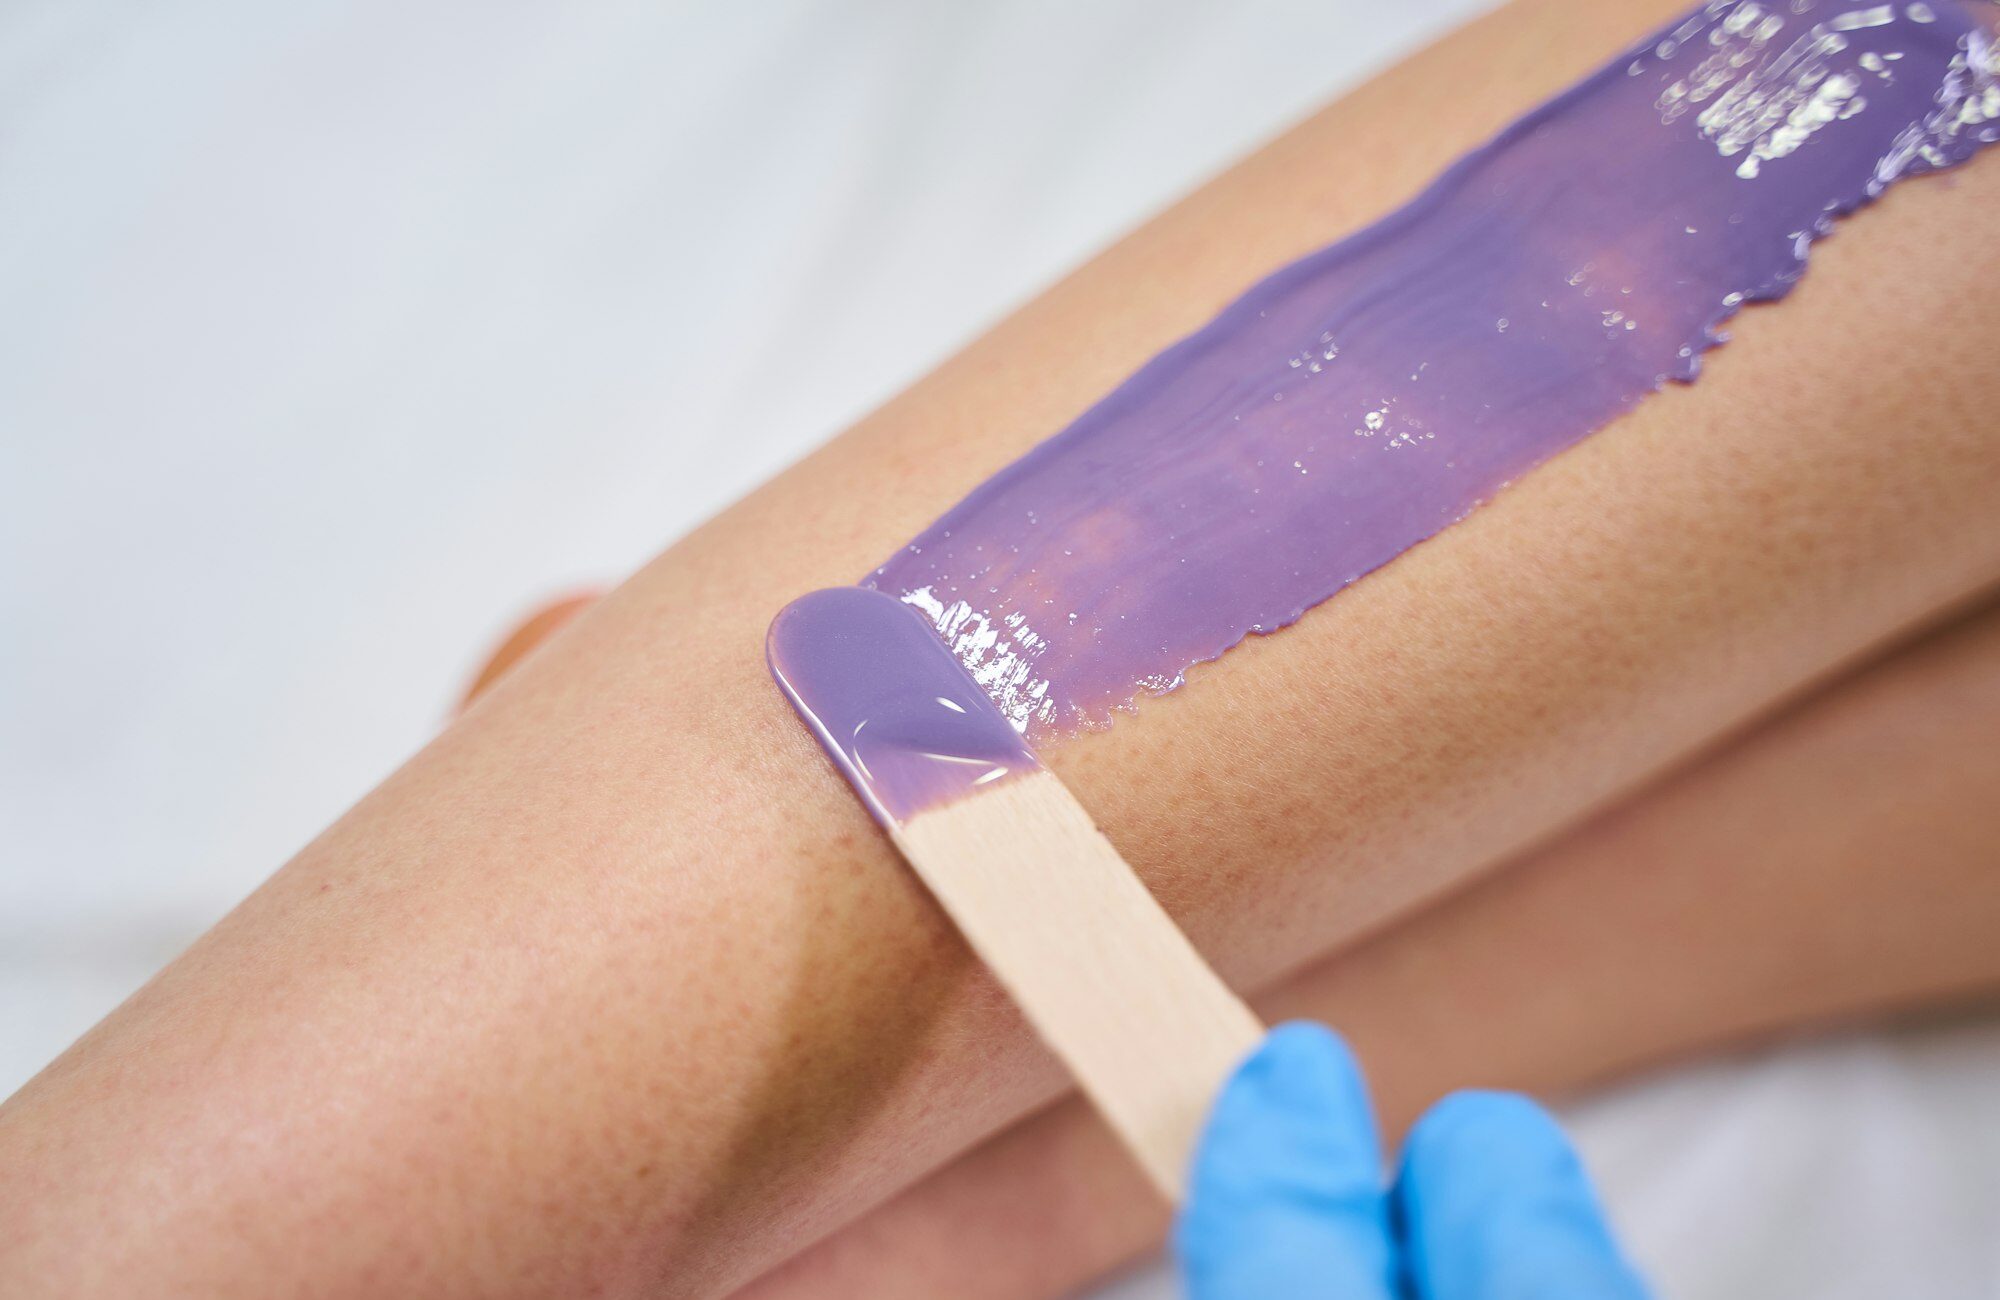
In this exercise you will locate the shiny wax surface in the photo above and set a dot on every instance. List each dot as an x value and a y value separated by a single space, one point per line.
1365 397
900 717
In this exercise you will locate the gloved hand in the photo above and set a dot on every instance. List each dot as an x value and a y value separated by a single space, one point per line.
1288 1200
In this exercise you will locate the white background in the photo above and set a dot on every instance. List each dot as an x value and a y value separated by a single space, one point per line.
333 334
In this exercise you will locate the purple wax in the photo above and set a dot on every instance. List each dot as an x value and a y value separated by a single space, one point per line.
1373 393
898 714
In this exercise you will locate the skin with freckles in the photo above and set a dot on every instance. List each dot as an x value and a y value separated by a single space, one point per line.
615 989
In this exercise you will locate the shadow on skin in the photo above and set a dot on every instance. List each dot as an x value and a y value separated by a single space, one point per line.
855 1027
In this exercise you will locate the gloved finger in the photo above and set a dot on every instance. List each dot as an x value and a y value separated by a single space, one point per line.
1287 1196
1494 1205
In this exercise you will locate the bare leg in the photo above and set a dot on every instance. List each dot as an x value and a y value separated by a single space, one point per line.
1836 862
614 988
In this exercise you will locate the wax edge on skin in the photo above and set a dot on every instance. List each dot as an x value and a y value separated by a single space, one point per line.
1363 398
1369 395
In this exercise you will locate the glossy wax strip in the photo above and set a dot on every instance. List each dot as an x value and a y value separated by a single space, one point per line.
1365 397
1372 393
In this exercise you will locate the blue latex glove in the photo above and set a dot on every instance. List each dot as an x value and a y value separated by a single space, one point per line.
1288 1200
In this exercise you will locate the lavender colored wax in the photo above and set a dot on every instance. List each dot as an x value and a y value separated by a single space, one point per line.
900 717
1371 394
1365 397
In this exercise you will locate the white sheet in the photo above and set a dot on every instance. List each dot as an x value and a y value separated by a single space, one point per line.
333 332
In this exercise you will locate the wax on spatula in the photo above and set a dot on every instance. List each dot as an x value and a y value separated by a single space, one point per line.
1102 973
